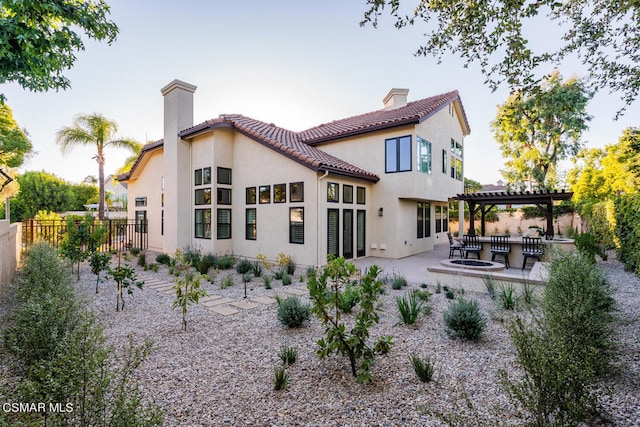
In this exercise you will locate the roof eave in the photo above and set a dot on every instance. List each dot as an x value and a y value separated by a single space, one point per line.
318 141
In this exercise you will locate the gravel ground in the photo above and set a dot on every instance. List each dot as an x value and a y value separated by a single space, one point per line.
220 371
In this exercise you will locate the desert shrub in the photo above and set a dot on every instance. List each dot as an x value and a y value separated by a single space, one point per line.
464 320
286 279
424 367
135 251
153 267
565 352
225 262
207 261
423 295
291 312
243 266
267 281
247 277
286 262
507 297
490 284
398 281
280 378
142 259
409 307
290 266
383 345
191 256
527 292
163 259
450 294
226 282
257 269
324 290
288 355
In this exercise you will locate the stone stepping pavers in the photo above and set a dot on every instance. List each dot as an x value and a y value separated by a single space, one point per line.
298 292
245 305
263 300
218 301
224 310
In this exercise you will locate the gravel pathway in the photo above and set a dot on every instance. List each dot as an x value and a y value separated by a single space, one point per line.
220 371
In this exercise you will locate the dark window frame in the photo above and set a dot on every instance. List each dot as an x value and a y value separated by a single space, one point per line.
364 195
398 141
141 222
283 190
249 196
204 192
140 202
346 199
260 190
218 175
251 228
292 192
202 231
336 196
220 192
292 225
219 224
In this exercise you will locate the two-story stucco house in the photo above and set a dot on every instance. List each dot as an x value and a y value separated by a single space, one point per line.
376 184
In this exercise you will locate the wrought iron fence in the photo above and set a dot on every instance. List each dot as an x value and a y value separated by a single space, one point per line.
122 234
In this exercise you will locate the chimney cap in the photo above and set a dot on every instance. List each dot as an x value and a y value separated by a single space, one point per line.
396 98
178 84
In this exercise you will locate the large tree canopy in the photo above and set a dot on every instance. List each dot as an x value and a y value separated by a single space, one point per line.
536 131
98 131
14 148
39 38
500 36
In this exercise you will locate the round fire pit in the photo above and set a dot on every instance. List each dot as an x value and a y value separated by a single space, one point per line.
473 264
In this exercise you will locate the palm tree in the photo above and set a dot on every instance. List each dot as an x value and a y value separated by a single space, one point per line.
128 163
93 129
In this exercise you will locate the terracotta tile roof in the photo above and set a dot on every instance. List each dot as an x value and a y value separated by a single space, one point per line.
414 112
285 141
299 146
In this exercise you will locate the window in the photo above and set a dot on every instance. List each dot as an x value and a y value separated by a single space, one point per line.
361 221
445 218
203 196
203 223
280 193
224 196
296 192
445 164
347 194
438 219
224 176
265 194
197 178
333 230
251 195
224 224
202 176
398 154
162 200
424 220
453 167
456 168
162 223
423 150
332 192
456 147
360 195
141 201
251 230
296 225
141 221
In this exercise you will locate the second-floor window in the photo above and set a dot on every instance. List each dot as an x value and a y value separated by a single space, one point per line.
398 154
423 155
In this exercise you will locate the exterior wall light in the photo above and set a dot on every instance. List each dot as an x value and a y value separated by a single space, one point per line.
380 212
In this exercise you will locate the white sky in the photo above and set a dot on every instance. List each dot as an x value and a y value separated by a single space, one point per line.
294 63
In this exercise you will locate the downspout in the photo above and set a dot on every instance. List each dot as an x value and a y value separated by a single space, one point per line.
326 173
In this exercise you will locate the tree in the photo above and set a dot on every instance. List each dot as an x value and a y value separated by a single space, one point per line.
536 131
39 39
500 36
93 129
129 161
14 146
40 191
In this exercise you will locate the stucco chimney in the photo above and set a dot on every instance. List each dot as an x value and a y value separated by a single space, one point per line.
178 115
396 98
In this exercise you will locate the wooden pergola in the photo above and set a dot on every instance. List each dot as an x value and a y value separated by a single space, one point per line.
483 202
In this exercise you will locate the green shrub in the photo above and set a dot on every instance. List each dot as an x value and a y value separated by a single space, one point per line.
135 251
527 292
142 259
278 274
206 263
507 297
449 294
288 355
464 320
280 378
398 281
423 295
286 279
226 282
247 277
243 266
290 266
425 367
257 268
163 259
291 312
409 307
225 262
566 352
267 281
99 263
490 284
383 345
586 244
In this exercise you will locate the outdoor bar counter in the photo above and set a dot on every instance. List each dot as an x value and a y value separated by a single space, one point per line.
515 256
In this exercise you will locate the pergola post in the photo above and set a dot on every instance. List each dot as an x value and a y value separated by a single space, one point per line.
472 212
550 220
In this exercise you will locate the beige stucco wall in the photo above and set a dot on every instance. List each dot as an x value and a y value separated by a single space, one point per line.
10 250
398 193
147 182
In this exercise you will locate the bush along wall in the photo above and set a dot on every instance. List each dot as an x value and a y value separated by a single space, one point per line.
627 230
601 222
